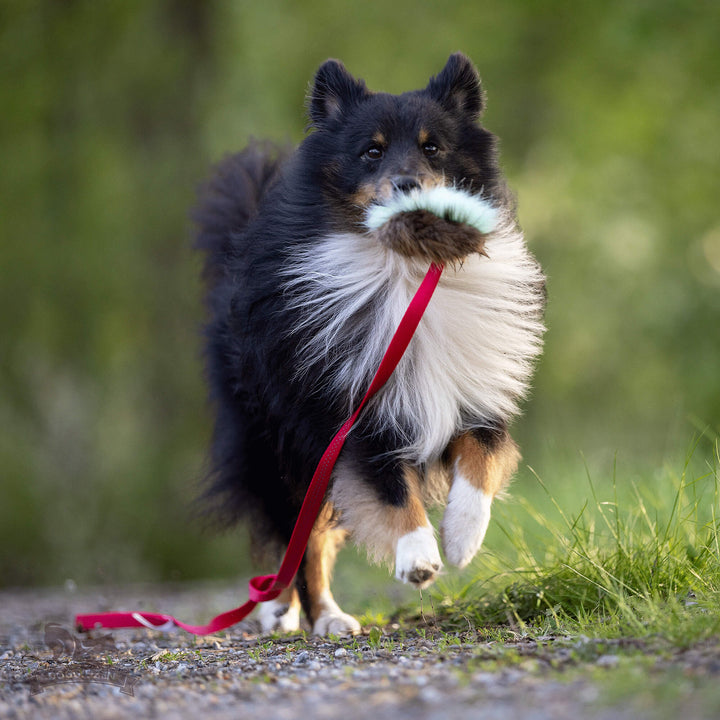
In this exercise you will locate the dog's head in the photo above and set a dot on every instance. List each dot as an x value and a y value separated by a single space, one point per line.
367 146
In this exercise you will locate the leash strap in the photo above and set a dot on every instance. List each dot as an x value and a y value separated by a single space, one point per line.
268 587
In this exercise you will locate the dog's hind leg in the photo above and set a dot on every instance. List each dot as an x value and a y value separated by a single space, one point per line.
313 581
481 463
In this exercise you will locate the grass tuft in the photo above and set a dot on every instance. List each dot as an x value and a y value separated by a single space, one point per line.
640 556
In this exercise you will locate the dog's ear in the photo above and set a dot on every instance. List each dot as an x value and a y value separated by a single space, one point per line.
334 91
457 87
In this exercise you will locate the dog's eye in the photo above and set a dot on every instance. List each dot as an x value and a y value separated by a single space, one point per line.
429 149
374 152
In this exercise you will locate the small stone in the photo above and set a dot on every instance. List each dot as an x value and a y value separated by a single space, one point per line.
430 695
302 658
607 661
341 653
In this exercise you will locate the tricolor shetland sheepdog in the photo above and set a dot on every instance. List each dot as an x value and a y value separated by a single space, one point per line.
303 299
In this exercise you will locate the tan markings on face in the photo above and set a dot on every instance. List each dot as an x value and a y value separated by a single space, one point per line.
486 470
365 195
423 136
379 139
385 189
430 180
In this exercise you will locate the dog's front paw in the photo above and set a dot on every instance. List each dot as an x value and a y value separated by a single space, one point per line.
276 616
333 621
465 522
417 558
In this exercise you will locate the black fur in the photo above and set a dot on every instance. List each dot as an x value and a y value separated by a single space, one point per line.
261 208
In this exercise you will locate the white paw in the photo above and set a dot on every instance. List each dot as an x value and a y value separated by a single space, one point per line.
465 522
333 621
276 616
417 558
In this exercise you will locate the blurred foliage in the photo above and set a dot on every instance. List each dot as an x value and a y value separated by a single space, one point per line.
113 111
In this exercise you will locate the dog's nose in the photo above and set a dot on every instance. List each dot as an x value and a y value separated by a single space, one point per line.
405 183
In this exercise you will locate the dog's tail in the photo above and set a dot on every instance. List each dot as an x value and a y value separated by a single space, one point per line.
229 201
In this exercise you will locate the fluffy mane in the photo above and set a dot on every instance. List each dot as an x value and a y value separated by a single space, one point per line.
472 355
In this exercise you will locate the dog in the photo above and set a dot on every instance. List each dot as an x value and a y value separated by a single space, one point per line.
302 301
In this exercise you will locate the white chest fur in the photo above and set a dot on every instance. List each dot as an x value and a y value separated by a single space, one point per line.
471 358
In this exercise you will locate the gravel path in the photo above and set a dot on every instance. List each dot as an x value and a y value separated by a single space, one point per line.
393 672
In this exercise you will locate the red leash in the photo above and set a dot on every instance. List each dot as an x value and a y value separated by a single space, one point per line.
268 587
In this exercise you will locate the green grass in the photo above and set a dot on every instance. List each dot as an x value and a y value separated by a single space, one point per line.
635 556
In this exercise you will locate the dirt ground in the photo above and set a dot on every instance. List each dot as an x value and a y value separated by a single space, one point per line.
49 671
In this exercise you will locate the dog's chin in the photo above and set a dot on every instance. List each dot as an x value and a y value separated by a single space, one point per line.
421 234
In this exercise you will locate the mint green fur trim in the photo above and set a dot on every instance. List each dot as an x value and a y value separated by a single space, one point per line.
445 202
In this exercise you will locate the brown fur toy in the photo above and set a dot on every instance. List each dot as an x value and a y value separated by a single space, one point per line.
440 224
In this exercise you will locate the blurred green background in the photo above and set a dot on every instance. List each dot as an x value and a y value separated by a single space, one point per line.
111 113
